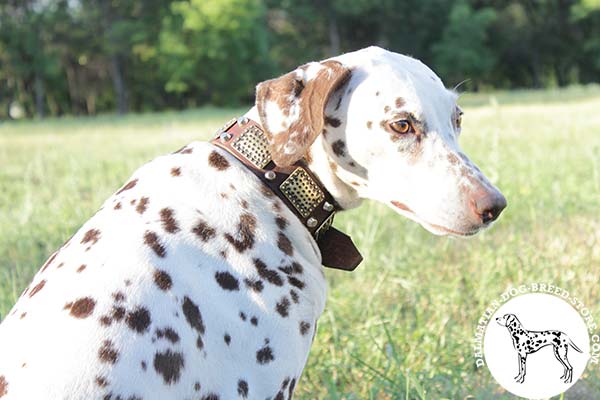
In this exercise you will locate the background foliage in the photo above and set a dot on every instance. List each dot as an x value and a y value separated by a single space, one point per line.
88 56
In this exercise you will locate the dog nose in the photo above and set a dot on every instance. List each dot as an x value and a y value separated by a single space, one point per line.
488 205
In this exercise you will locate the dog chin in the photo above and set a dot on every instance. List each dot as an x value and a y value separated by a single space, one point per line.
435 229
443 231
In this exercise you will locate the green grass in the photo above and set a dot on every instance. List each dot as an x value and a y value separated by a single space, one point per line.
400 326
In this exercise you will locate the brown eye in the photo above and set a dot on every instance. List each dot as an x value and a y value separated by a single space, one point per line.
401 126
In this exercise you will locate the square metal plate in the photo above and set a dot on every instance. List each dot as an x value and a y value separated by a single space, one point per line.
302 191
253 145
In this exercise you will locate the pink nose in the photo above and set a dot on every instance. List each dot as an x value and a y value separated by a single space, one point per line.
488 204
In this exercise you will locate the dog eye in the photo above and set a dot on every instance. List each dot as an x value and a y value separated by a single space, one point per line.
402 126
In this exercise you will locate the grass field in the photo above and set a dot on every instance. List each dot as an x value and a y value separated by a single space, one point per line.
400 327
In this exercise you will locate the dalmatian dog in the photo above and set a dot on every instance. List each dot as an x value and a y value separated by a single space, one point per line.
193 281
528 342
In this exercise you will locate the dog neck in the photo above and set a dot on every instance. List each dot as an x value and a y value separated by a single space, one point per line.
333 178
296 185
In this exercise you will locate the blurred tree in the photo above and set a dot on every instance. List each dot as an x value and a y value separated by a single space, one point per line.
462 51
586 15
298 32
89 56
27 57
214 50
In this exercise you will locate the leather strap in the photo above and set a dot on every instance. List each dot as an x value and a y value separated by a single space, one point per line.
298 188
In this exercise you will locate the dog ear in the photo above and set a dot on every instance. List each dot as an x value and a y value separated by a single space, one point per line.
292 107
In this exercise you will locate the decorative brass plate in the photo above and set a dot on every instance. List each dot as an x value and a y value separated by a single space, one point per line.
253 145
302 191
324 226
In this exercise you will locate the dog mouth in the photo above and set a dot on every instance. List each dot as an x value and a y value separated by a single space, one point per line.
433 228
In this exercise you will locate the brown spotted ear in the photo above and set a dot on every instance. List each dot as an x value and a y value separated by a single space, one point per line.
292 107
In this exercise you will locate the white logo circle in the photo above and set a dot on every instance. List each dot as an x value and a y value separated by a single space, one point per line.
536 346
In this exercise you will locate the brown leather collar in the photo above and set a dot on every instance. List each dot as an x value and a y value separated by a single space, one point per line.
296 186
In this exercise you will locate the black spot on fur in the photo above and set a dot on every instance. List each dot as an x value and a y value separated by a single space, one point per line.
163 280
138 320
192 315
142 206
128 186
118 296
296 282
339 148
151 239
335 122
267 274
281 222
168 333
243 239
284 244
100 381
217 161
242 388
304 327
167 217
107 353
118 313
255 285
265 355
203 231
282 307
37 288
169 365
92 236
293 268
294 296
227 281
81 308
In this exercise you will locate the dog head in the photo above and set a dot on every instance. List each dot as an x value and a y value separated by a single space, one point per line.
379 125
508 320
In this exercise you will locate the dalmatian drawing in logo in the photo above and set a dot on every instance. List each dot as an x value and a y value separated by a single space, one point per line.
528 342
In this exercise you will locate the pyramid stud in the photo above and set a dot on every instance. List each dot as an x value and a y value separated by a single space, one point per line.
311 222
